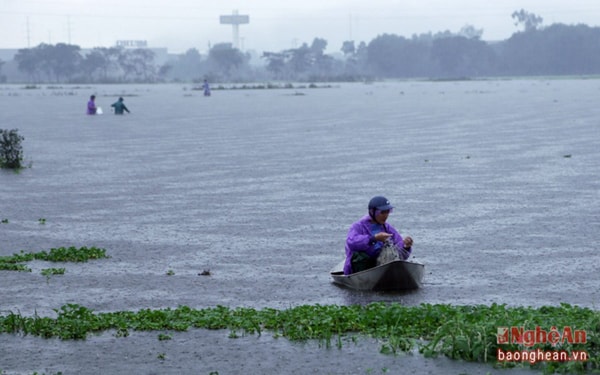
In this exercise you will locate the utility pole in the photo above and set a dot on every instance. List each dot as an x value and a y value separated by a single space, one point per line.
28 34
69 29
350 27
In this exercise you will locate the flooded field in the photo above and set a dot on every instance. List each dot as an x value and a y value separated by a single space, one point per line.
498 183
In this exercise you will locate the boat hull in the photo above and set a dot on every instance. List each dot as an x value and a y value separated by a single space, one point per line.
395 275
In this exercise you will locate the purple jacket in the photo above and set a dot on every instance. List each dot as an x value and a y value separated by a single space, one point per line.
91 108
359 237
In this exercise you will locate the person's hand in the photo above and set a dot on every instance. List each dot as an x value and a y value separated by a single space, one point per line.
408 241
382 236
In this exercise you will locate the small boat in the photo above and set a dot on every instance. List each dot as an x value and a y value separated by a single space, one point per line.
395 275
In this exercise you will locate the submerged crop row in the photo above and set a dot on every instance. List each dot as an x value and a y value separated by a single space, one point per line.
470 333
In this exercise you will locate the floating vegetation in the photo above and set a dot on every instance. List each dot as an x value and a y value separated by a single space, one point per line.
123 95
265 86
52 271
61 254
42 221
14 267
469 333
11 151
63 93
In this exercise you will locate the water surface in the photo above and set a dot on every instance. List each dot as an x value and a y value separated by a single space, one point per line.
498 183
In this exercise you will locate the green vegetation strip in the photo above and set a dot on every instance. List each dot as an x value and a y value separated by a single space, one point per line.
458 332
61 254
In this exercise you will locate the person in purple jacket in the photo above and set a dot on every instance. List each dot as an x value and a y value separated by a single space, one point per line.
91 105
367 237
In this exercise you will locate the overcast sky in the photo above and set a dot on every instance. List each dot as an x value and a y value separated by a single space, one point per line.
274 25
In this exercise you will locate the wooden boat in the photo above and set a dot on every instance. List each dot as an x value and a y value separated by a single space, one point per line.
395 275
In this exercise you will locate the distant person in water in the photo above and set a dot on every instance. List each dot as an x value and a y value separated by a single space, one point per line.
91 105
370 238
119 107
206 88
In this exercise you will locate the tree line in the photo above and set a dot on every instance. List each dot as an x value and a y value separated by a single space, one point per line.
557 49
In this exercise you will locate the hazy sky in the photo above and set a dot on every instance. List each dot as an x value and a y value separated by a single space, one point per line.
274 25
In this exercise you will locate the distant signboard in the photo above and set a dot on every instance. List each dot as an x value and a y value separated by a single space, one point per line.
132 43
234 19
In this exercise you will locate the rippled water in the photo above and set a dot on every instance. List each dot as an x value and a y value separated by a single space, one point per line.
498 183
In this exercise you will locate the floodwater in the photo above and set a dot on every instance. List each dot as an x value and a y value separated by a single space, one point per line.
498 183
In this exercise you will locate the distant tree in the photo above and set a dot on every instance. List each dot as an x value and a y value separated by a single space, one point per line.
113 56
459 56
470 32
362 53
276 63
348 48
29 63
63 60
138 64
2 77
352 67
530 21
95 65
187 66
322 64
164 71
301 59
391 55
224 60
103 64
318 46
55 62
555 50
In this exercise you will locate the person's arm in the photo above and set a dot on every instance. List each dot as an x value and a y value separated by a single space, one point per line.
404 247
360 239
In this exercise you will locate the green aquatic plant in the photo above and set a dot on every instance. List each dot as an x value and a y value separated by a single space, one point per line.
13 267
11 151
469 333
164 337
42 221
52 271
61 254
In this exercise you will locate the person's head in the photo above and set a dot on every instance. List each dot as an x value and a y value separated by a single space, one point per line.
379 209
93 97
121 99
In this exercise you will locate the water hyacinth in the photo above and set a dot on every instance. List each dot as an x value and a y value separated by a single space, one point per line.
458 332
